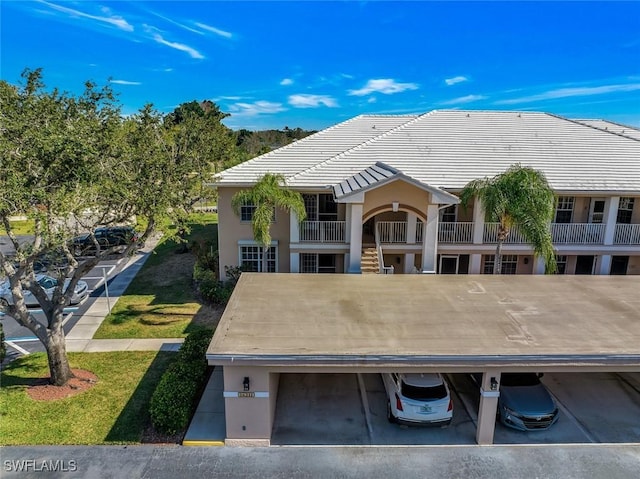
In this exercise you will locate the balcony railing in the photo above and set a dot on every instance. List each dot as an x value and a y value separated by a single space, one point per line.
394 232
561 233
460 232
322 231
627 234
578 233
490 234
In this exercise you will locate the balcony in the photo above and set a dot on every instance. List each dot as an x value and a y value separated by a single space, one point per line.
392 232
460 232
322 231
561 233
627 234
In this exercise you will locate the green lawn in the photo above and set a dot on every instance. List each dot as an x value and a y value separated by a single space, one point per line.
20 227
112 411
160 301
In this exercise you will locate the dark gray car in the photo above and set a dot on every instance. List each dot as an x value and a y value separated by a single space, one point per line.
524 403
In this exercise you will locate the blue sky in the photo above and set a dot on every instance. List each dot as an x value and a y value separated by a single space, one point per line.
312 64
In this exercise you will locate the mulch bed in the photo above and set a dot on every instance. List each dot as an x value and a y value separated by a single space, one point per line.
42 390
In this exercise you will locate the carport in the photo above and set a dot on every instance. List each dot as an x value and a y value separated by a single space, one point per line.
293 323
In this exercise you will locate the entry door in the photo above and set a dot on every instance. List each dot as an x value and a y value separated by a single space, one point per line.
619 265
585 264
448 264
596 210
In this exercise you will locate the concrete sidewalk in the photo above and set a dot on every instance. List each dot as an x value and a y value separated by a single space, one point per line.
80 338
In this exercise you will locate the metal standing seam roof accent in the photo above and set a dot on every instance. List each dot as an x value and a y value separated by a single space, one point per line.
366 178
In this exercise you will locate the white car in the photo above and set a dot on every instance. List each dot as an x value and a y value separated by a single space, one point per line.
418 399
48 285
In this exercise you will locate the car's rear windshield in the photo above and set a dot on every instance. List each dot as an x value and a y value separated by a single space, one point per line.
423 393
513 379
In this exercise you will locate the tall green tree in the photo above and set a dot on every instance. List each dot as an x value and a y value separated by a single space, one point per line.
520 197
74 163
268 194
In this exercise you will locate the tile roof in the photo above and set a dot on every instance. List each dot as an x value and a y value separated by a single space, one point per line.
612 127
449 148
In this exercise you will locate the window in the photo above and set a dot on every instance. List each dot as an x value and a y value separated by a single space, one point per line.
317 263
251 258
564 209
625 210
320 207
311 206
509 263
246 213
449 214
561 261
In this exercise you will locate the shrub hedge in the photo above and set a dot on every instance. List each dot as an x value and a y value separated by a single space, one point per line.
174 400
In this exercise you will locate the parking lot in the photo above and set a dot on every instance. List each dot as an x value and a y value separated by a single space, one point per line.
339 409
21 340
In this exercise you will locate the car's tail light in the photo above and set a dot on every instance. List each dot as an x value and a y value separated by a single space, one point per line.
398 403
450 408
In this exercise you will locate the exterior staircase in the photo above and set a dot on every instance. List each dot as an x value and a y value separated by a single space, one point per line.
369 263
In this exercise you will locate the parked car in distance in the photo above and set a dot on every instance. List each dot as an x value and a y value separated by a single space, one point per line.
524 402
418 399
107 237
48 284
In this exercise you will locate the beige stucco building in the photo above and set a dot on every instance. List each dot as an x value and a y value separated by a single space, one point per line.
380 194
381 197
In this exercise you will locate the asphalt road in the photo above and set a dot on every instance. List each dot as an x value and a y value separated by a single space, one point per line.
468 462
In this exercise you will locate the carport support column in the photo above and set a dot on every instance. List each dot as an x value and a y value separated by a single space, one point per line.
489 394
430 240
249 401
478 236
354 213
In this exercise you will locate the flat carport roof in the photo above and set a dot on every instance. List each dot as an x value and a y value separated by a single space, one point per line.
445 321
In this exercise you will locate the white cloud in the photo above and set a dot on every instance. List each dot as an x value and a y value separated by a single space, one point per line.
215 30
260 107
193 53
464 99
454 80
570 92
388 86
372 99
312 101
286 81
125 82
115 20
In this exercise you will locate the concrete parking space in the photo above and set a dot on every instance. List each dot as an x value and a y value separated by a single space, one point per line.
328 409
605 405
319 409
461 430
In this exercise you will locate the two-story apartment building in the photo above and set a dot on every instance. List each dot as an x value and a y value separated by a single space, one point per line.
380 194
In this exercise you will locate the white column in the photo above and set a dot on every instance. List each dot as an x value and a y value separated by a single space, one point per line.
605 264
478 222
294 227
488 407
475 261
355 241
540 266
412 222
430 240
610 218
294 262
409 262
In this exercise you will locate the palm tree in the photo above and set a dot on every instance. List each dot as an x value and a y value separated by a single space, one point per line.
269 193
520 197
